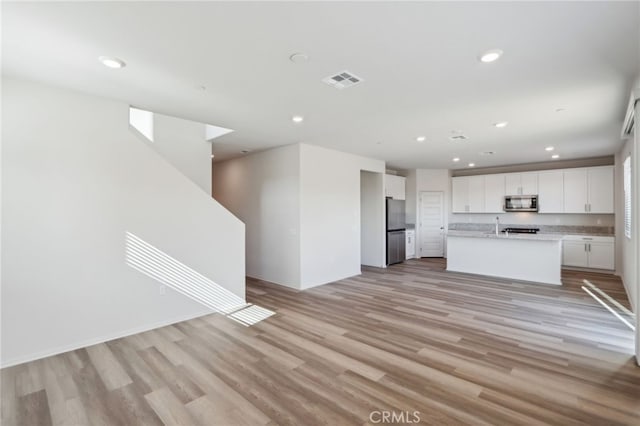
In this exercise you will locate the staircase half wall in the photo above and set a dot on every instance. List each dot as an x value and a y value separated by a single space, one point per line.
83 200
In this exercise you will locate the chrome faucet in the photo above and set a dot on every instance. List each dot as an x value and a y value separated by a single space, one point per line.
497 226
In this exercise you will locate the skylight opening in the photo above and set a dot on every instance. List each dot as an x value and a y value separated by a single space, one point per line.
142 121
212 132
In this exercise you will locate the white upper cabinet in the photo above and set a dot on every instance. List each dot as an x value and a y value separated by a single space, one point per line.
521 183
551 192
460 194
580 190
529 183
476 194
512 184
468 194
600 183
394 187
576 192
494 192
588 190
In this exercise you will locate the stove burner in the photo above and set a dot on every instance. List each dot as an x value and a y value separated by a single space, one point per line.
521 230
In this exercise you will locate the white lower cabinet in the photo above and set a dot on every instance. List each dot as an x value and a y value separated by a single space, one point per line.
410 249
588 252
574 253
601 255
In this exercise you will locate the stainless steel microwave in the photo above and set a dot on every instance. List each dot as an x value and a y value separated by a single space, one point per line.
521 203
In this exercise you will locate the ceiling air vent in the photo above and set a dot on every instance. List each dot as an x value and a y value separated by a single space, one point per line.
458 138
342 80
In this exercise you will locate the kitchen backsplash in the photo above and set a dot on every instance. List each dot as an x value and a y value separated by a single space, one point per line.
546 229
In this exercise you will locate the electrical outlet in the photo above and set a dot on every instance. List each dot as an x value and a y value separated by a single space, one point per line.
163 290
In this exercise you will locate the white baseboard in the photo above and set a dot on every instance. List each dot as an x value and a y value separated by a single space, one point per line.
102 339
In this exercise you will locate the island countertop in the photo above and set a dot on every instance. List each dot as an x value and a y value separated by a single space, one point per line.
504 236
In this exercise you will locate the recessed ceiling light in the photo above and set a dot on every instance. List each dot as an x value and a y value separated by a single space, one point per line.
501 124
421 138
472 164
549 148
491 55
555 156
455 160
297 119
299 58
111 62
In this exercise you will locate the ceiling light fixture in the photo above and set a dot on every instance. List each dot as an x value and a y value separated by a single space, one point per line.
549 148
111 62
472 164
455 160
297 119
299 58
555 156
491 55
501 124
421 138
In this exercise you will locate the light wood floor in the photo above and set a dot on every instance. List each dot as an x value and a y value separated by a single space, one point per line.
459 349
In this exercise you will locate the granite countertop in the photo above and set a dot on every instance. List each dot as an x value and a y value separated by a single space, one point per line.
503 236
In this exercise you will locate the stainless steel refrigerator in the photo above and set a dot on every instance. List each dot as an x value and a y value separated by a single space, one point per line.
396 240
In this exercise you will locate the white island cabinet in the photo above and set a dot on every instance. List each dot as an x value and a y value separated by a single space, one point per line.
535 258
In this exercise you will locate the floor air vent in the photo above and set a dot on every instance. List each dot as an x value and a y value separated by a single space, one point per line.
342 80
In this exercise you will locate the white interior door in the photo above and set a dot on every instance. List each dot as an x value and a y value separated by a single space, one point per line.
431 224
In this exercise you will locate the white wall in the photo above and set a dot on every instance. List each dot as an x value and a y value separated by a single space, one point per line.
635 224
330 213
411 197
625 248
183 144
301 206
263 190
74 180
372 232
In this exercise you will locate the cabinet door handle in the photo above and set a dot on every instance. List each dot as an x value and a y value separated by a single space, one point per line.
585 247
585 208
589 207
589 247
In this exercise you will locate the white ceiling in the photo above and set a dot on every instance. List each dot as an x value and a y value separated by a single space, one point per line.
418 61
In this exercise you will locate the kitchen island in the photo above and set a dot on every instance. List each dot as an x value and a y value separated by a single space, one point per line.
526 257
